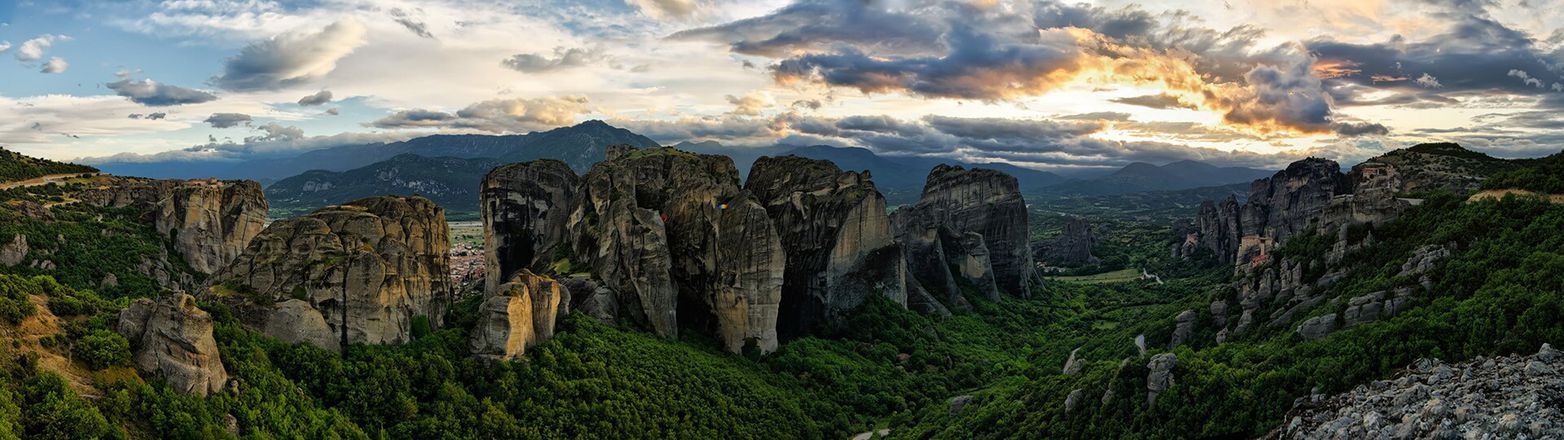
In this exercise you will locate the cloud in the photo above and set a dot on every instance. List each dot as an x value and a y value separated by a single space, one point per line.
1012 50
33 50
666 8
318 98
151 93
751 104
1351 129
1158 101
4 46
563 58
416 27
291 58
276 133
1429 81
517 115
1525 78
55 65
226 120
156 116
333 111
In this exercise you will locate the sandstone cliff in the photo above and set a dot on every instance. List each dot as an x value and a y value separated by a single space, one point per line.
836 238
519 315
1073 246
368 268
209 222
173 340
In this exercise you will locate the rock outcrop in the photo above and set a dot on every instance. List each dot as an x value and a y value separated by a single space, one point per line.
1183 327
173 340
520 314
209 222
369 268
836 237
959 208
1073 246
15 252
1161 376
526 210
1501 397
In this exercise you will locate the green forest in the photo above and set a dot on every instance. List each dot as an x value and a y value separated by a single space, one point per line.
15 166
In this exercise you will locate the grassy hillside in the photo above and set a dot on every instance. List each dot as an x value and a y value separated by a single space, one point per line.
15 166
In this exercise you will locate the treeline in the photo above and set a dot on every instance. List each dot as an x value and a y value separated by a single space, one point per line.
1545 175
15 166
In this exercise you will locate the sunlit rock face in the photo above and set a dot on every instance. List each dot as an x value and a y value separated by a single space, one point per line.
836 237
520 314
970 227
209 222
370 268
173 340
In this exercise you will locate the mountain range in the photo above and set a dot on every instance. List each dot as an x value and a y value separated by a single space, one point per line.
446 168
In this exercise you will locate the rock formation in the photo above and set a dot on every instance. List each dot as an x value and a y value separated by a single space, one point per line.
1073 246
526 208
1501 397
520 314
173 340
836 238
15 252
960 207
1183 327
209 222
1161 376
369 268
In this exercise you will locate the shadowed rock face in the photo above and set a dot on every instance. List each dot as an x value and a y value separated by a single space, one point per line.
173 340
670 240
836 237
1073 246
526 209
368 268
1279 207
974 221
209 222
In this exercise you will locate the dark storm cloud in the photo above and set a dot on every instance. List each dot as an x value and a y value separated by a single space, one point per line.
151 93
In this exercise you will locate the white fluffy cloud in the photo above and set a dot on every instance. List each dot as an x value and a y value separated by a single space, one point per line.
291 58
33 50
55 65
517 115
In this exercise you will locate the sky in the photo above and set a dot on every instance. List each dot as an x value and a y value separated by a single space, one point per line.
1038 83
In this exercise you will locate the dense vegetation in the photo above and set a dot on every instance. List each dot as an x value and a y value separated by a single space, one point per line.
1545 175
1502 292
15 166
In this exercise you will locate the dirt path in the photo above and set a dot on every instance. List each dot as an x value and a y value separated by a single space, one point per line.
38 181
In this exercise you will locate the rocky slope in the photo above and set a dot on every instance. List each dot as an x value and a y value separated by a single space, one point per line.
173 340
975 221
839 246
209 222
368 269
1501 397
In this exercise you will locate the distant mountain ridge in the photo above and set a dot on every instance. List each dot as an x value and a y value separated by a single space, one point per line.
579 146
451 182
1141 177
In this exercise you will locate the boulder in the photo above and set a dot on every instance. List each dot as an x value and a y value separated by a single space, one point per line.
1317 327
521 314
369 267
15 252
1161 376
208 222
592 299
173 340
1424 260
295 321
1073 364
1183 327
837 239
958 404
